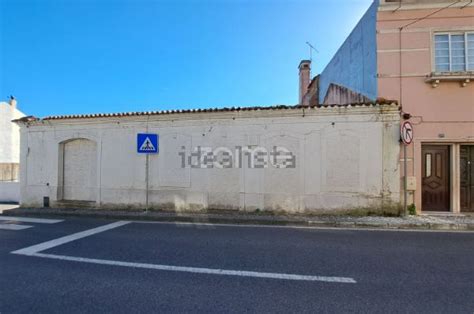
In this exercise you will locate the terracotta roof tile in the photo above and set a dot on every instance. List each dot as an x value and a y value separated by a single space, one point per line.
205 110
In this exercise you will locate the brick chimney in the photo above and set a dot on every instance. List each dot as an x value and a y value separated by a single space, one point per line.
305 74
12 102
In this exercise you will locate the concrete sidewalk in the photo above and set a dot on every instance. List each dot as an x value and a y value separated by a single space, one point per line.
423 222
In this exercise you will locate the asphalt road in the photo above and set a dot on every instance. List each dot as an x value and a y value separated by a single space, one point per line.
157 267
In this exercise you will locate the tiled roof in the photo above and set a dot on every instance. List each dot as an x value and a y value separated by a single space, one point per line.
207 110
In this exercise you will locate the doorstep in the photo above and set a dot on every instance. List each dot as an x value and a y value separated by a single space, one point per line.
438 214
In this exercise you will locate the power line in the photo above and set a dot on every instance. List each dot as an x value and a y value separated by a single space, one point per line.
431 14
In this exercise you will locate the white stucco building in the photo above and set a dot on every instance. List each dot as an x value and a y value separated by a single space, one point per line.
285 158
9 151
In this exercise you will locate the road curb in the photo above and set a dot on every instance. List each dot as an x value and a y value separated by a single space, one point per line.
236 219
151 217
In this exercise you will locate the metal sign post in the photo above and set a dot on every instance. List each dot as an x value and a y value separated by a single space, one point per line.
147 144
405 181
147 180
406 135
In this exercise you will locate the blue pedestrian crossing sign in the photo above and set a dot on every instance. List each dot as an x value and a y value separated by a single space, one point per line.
147 143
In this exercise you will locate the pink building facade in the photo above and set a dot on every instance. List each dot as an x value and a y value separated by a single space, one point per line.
420 53
425 53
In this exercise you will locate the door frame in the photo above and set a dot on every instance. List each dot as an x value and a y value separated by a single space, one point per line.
459 174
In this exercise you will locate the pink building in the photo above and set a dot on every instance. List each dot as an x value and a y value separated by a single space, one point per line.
420 53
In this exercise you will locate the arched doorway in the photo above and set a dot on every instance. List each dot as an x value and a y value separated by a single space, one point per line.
79 170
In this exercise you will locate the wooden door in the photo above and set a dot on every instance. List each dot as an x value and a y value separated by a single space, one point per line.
467 178
436 178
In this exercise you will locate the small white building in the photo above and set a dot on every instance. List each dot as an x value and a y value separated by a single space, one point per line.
282 158
9 151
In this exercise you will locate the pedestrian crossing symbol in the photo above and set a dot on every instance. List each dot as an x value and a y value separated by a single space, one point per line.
147 143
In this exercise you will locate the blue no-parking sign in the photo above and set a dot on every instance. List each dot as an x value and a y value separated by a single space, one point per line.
147 143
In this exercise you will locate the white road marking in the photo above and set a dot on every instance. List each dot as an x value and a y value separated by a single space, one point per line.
56 242
13 227
33 220
198 270
36 249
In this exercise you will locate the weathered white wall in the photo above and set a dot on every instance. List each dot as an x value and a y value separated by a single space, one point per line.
9 152
9 192
346 158
9 134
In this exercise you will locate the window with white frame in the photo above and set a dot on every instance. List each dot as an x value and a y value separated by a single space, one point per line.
454 52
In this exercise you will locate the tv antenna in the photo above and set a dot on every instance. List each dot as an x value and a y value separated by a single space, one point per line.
311 48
